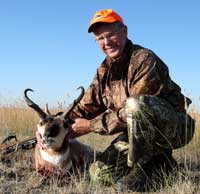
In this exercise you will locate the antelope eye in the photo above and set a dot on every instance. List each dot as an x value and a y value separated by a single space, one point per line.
41 123
54 130
50 119
54 127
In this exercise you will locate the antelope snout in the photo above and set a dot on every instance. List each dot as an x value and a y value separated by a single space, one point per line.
47 134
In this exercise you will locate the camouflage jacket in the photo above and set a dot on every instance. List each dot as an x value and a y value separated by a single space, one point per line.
138 72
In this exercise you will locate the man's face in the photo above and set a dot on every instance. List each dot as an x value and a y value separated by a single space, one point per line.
111 39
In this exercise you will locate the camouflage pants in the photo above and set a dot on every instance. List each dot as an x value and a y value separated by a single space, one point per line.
153 126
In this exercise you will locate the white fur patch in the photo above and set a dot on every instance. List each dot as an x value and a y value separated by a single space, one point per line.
55 159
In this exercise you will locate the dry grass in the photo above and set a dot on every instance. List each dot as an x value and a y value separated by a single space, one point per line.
17 173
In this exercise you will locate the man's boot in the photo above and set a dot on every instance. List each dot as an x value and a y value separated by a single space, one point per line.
150 176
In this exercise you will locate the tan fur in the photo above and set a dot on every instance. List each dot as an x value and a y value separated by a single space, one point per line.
58 156
43 167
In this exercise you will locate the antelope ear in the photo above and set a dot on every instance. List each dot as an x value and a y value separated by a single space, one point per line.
66 124
59 113
47 109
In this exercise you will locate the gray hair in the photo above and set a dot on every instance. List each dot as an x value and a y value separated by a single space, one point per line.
118 25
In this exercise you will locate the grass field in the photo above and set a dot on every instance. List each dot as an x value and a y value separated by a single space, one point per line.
17 172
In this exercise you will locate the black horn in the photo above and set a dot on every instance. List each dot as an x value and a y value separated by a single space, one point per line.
76 101
31 104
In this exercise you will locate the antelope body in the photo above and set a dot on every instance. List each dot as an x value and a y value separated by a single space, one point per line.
59 156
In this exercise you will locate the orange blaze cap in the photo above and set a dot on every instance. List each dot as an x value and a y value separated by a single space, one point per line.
104 16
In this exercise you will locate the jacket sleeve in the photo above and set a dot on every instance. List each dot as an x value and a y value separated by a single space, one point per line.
110 122
144 77
147 75
91 104
103 121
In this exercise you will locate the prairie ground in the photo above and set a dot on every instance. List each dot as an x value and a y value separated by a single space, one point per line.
17 170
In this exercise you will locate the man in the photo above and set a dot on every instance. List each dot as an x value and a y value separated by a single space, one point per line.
131 94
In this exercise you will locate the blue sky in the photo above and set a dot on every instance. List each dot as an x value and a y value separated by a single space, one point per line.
44 44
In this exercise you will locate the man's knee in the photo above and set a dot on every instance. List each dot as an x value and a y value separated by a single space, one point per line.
100 172
133 104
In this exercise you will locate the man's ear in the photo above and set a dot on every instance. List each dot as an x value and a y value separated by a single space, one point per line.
125 30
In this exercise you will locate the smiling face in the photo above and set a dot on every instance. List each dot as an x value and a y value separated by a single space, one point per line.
111 39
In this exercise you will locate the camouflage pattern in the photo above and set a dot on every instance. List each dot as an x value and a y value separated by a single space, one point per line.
153 127
111 165
152 119
138 72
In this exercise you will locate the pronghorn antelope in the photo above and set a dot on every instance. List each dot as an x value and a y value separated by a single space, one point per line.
59 156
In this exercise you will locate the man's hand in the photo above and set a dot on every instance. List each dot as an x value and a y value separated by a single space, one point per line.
39 140
79 127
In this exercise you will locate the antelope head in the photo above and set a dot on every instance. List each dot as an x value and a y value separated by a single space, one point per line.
53 128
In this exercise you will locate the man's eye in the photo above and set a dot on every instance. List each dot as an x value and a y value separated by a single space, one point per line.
100 39
109 35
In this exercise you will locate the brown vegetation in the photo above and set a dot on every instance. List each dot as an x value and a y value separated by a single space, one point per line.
17 171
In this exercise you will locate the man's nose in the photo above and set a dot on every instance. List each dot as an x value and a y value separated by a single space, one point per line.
106 40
